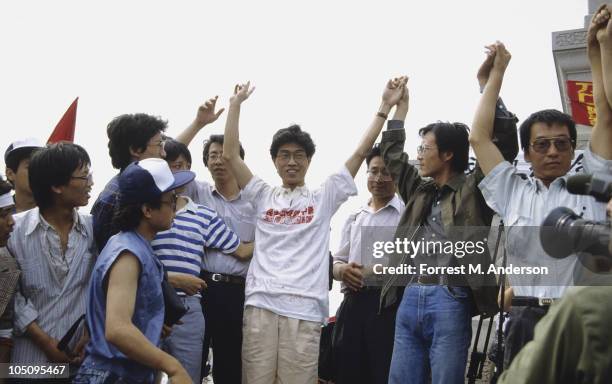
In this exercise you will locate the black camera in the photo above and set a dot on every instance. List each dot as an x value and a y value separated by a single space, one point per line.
563 232
598 185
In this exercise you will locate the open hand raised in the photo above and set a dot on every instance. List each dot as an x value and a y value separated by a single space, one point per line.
206 112
241 93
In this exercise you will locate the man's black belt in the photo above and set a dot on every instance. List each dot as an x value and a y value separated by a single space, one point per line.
430 280
530 301
221 278
365 288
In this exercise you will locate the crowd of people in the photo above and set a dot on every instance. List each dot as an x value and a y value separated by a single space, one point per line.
168 266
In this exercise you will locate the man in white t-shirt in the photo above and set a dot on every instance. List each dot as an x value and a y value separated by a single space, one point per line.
286 296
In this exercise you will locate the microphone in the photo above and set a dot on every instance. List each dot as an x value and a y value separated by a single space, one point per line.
598 185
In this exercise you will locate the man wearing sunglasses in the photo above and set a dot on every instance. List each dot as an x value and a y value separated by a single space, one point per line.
548 140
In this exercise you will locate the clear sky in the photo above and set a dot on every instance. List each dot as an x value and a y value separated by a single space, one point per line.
321 64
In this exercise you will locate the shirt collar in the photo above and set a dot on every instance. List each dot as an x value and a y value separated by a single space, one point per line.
189 206
214 191
394 203
35 219
301 191
453 183
539 184
456 182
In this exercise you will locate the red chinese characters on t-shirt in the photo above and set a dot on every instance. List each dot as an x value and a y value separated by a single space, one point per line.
289 216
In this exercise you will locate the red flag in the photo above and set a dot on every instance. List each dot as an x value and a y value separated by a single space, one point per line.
580 94
64 130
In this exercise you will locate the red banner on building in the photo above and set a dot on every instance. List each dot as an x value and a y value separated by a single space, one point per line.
580 94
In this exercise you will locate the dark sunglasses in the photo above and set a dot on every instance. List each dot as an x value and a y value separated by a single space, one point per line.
542 145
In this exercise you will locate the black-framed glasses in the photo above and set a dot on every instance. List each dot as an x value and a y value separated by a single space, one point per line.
88 178
214 156
421 149
541 145
298 156
382 175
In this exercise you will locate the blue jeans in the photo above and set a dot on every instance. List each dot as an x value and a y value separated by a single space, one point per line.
433 331
97 376
186 340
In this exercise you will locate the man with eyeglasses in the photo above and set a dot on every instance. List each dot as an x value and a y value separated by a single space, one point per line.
224 274
548 140
183 249
133 137
54 247
363 341
287 282
433 324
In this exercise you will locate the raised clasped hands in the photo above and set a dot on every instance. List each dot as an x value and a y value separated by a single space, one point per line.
600 29
497 59
395 91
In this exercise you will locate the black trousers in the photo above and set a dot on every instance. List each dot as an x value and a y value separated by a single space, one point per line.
223 306
519 330
363 339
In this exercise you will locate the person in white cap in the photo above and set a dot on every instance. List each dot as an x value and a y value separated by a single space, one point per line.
17 158
197 230
125 309
9 273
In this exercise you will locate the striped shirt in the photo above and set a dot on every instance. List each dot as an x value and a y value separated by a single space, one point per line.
181 248
51 296
237 213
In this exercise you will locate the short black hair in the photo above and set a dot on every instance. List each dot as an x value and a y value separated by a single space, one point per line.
5 186
16 156
295 135
53 166
451 137
174 149
548 117
375 151
128 216
219 140
131 131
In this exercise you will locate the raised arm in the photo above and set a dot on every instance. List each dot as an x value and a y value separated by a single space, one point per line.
122 333
599 48
391 95
231 143
481 136
206 115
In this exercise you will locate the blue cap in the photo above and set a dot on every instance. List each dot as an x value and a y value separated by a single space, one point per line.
146 180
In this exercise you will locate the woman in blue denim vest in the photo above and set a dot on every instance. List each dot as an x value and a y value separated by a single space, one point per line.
125 310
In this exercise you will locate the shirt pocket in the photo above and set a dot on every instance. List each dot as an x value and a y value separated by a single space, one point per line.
32 280
516 219
520 233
